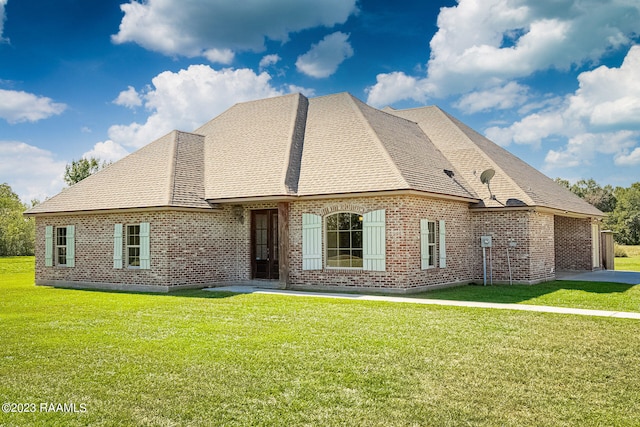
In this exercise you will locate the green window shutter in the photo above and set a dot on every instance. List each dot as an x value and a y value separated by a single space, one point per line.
117 246
145 256
311 242
374 241
71 245
442 248
48 246
424 243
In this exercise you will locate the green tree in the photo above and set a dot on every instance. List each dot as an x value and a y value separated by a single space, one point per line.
78 170
625 218
17 233
602 198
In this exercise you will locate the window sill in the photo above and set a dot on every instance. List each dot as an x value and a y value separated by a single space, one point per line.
343 269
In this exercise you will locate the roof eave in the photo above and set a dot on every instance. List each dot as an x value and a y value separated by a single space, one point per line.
541 209
289 198
122 210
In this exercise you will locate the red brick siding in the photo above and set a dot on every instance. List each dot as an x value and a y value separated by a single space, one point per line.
572 243
402 229
207 248
532 258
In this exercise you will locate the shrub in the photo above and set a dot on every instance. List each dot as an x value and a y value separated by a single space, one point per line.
619 252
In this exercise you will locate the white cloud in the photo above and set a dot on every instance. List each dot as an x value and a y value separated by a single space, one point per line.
3 3
631 159
610 96
583 149
600 117
515 38
221 56
39 174
534 128
269 60
129 98
508 96
394 86
308 92
323 59
216 28
107 151
18 106
188 98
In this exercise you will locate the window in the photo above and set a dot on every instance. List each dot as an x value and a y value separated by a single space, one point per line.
344 240
431 244
61 245
428 243
133 245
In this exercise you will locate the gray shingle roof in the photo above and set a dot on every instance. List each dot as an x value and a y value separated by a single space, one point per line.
350 147
515 182
167 172
253 148
291 146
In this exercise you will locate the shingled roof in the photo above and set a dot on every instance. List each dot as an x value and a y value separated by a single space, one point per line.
515 182
290 146
166 173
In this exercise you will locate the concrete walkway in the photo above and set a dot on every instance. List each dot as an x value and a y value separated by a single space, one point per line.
616 276
522 307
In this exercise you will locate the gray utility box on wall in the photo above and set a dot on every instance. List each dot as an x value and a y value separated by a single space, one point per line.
485 241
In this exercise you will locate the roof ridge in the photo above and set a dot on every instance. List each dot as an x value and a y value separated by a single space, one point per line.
296 145
172 170
356 103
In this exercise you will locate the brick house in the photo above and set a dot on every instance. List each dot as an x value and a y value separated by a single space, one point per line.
322 192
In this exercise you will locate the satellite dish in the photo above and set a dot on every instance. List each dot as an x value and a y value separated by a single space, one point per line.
486 176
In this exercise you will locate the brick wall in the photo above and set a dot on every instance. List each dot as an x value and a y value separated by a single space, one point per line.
532 257
206 248
403 267
572 243
186 247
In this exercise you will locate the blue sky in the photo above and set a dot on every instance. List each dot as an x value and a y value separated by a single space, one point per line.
556 82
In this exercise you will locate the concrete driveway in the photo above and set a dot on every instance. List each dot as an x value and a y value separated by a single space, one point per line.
616 276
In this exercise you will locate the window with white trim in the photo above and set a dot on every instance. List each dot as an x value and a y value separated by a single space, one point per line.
428 230
61 246
344 240
351 240
133 245
429 244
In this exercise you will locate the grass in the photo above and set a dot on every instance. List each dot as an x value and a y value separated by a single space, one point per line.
202 358
631 262
590 295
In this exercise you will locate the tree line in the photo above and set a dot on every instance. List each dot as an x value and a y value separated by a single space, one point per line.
621 206
17 232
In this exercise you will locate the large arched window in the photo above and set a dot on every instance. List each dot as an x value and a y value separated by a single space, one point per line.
344 240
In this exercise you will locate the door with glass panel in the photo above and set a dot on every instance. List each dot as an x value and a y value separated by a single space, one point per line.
264 244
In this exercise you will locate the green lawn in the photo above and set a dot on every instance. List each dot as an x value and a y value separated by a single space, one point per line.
591 295
631 262
202 358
